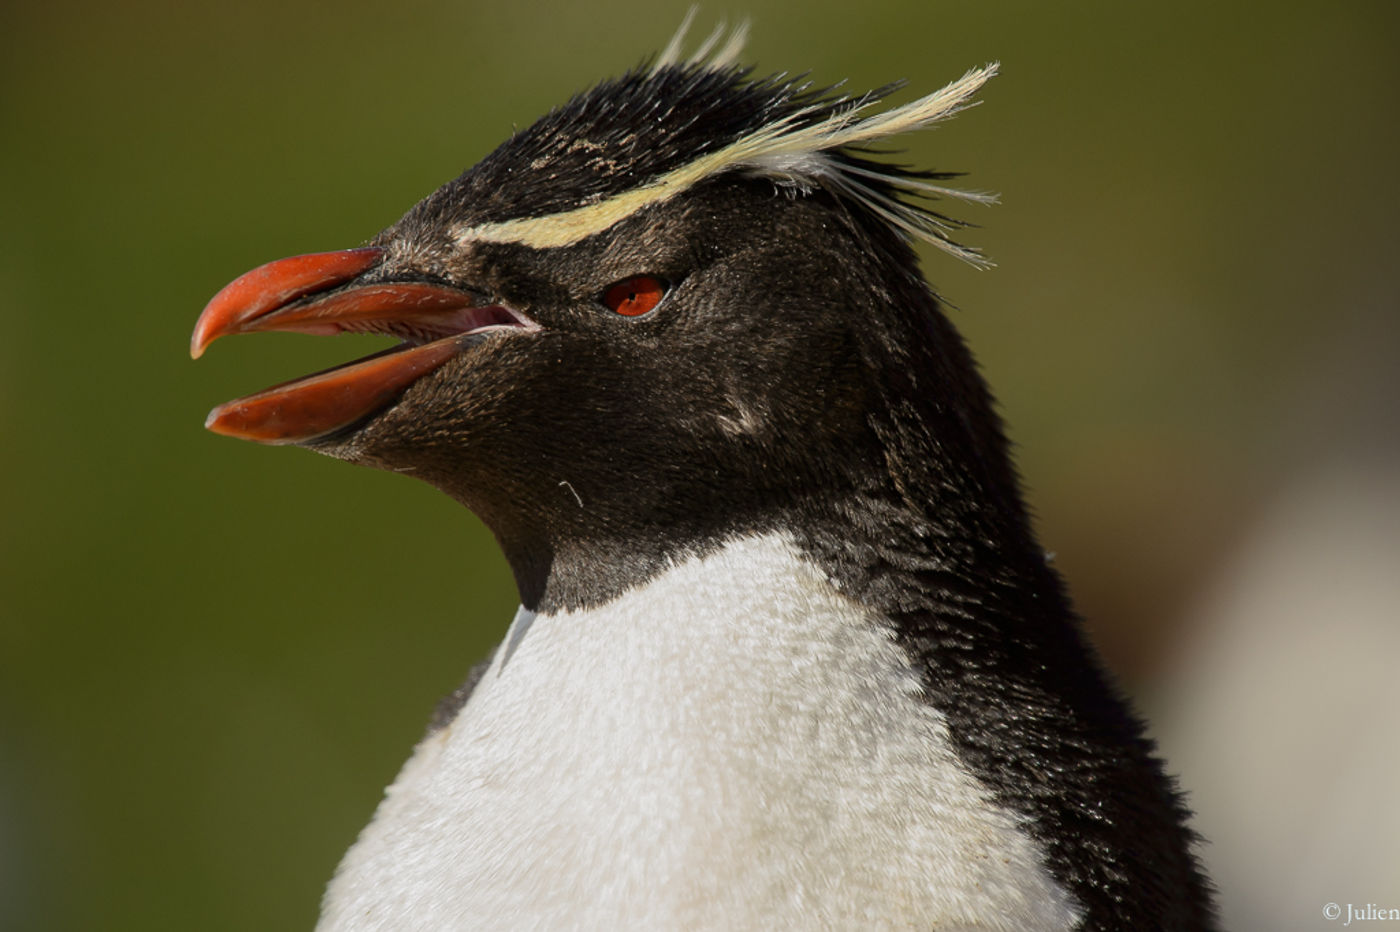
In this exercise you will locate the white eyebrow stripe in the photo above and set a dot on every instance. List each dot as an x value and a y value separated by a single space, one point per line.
775 149
570 226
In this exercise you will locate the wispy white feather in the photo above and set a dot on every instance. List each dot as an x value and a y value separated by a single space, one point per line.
671 54
716 52
698 56
733 47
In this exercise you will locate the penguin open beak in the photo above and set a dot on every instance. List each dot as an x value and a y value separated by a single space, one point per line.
328 293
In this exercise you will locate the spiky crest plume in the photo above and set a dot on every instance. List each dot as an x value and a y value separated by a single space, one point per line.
656 132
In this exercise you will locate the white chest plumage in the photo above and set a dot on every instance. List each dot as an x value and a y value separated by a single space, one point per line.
733 746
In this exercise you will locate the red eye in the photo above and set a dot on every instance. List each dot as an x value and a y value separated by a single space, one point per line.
633 297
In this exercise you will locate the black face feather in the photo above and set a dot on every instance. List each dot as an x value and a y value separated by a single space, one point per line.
798 376
602 446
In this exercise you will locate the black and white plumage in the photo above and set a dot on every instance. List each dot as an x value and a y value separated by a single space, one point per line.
788 653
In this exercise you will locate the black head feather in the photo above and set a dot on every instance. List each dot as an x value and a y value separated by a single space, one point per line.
653 125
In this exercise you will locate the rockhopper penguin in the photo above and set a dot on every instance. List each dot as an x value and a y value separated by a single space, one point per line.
788 653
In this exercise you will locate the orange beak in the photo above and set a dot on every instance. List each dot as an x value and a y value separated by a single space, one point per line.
327 293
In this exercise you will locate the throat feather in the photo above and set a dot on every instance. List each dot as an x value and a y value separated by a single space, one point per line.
733 743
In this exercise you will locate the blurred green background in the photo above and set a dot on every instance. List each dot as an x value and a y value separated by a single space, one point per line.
213 655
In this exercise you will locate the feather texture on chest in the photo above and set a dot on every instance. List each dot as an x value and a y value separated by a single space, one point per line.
733 745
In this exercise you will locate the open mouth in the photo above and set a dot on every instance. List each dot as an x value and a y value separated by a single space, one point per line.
323 294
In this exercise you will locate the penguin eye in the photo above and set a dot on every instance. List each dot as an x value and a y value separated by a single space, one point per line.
635 296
